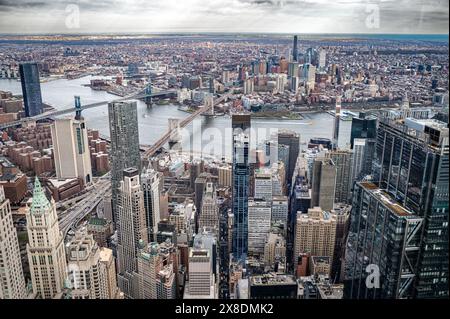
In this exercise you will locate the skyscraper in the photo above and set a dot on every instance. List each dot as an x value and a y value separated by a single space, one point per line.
323 184
259 217
342 159
71 149
363 154
12 282
337 119
209 216
31 88
363 127
151 187
201 278
45 248
241 174
295 49
315 233
292 140
89 280
131 230
123 128
384 236
411 163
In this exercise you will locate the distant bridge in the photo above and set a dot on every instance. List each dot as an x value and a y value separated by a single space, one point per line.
165 138
139 95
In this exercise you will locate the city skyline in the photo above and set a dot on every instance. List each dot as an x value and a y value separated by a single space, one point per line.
281 16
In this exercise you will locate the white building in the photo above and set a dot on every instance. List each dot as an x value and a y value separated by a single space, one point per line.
12 282
71 149
209 216
259 217
45 248
201 279
263 185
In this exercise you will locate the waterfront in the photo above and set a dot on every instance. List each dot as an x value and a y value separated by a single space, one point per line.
153 122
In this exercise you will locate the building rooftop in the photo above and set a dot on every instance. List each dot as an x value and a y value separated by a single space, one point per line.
272 279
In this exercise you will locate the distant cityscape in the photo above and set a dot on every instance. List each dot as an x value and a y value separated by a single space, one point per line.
224 166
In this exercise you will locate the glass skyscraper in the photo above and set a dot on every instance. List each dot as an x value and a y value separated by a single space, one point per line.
400 221
241 176
31 88
363 127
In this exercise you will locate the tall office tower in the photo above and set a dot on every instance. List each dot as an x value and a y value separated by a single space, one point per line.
293 69
412 164
259 216
394 252
88 279
323 183
196 168
280 210
295 49
206 239
295 82
342 214
199 188
322 58
263 185
12 281
109 274
363 154
201 278
342 159
131 230
31 88
249 85
363 127
337 119
45 247
291 139
241 141
315 234
123 128
209 216
151 187
71 149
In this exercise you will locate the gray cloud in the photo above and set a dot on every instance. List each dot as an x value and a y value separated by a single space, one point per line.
320 16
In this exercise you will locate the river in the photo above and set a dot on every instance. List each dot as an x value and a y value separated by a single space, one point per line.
153 122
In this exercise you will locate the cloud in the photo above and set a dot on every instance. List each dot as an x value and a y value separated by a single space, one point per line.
289 16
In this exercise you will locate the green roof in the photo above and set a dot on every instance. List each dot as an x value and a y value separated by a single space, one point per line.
40 201
98 221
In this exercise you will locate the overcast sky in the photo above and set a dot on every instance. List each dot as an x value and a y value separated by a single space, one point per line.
279 16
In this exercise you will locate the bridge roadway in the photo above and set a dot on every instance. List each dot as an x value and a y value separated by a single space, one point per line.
165 138
136 95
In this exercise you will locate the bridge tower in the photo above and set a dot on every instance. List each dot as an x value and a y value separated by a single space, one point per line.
77 107
175 134
148 92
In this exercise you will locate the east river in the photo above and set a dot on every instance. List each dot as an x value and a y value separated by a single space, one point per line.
153 122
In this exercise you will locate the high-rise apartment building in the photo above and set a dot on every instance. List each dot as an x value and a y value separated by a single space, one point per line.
12 281
131 230
412 165
45 248
124 133
71 149
31 88
241 174
315 234
151 188
323 183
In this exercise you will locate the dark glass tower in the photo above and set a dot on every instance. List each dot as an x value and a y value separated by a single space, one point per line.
31 88
292 140
295 49
241 176
400 221
411 163
363 127
123 128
